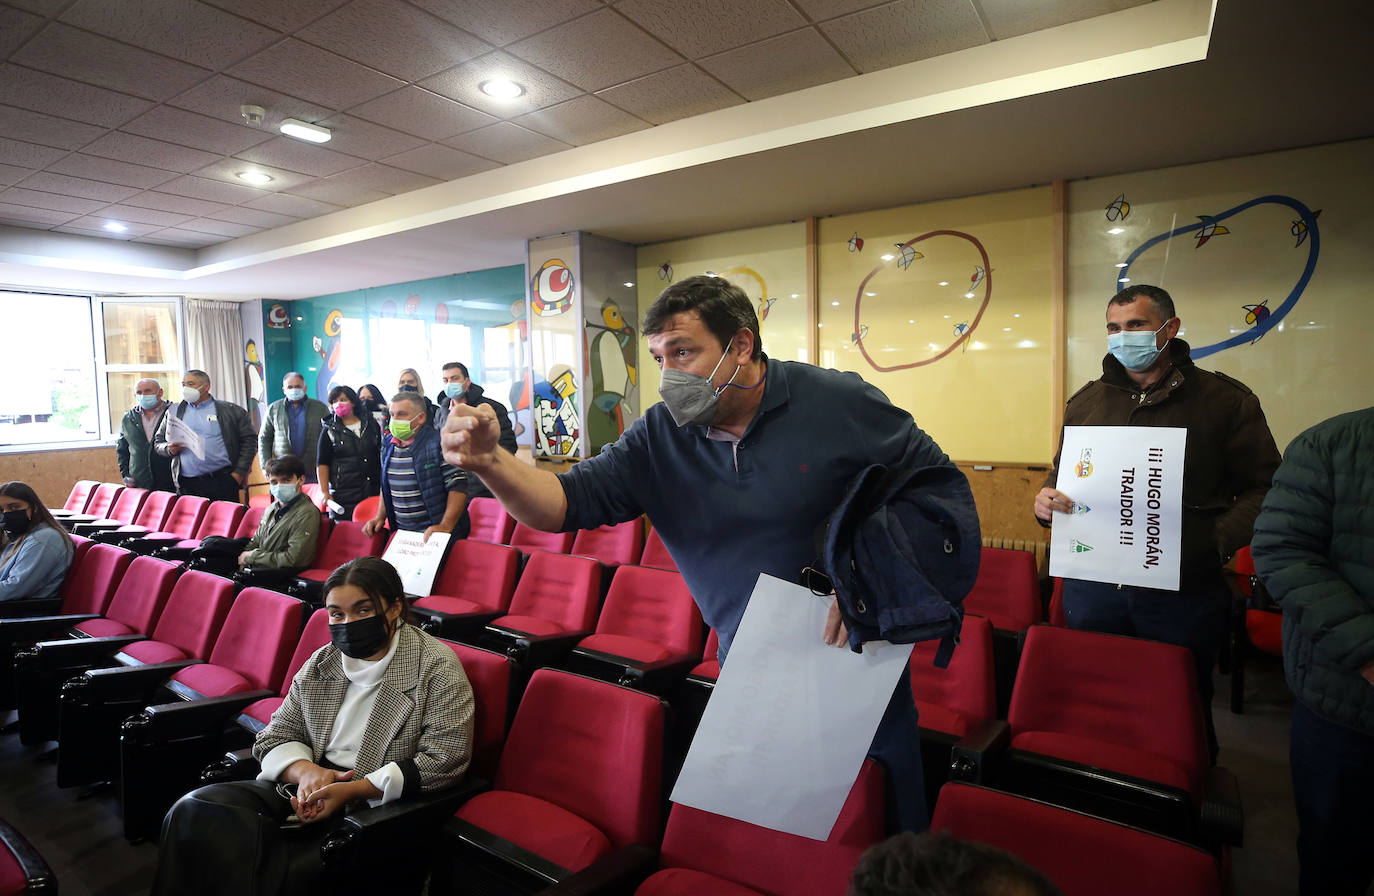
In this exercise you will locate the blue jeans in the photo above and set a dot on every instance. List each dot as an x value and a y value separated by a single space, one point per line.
897 745
1194 618
1333 786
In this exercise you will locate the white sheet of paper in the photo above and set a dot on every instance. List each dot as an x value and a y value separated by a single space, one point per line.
178 431
416 560
1127 486
791 718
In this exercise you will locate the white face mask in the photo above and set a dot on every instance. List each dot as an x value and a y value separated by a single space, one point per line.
690 397
1135 349
190 395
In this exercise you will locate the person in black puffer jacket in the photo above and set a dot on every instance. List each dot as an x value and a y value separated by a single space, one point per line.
1314 550
350 453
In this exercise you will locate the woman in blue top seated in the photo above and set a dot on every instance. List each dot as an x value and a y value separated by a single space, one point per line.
35 551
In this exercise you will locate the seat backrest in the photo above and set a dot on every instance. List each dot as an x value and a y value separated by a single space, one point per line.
195 613
1056 613
968 687
314 636
618 545
95 581
128 504
347 541
248 524
655 553
322 542
80 545
1007 590
102 499
490 522
490 675
560 588
258 636
1119 690
480 572
264 501
142 593
186 515
1082 854
155 510
712 649
221 518
774 862
80 495
592 748
528 540
366 509
315 493
653 605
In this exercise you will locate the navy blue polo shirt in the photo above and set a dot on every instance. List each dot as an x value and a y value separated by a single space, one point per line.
729 511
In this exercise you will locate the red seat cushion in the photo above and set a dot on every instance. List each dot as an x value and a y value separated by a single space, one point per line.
263 709
631 648
538 826
942 719
151 651
212 680
315 575
456 606
686 882
707 669
12 877
1113 757
104 628
530 625
1265 630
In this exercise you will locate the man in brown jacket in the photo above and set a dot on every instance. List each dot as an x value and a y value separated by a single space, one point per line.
1148 379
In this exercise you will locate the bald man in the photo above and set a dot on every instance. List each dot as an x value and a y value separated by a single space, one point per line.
139 465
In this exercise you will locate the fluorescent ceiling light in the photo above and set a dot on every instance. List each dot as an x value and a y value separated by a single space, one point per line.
311 133
255 177
116 226
501 89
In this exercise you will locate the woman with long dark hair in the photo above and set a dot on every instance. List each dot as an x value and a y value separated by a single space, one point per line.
35 552
349 454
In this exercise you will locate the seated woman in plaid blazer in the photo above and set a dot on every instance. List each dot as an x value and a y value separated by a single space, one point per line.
382 712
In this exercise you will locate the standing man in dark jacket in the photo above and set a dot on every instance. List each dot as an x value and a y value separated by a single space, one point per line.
228 437
420 493
459 389
292 425
139 465
1148 379
1314 550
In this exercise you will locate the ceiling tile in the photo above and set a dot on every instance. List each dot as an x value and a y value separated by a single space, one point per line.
145 150
507 143
905 31
704 27
779 65
221 96
610 50
581 121
820 10
28 155
95 232
63 50
214 190
254 217
45 8
16 26
182 29
295 206
313 74
366 140
10 174
180 204
442 162
228 170
51 201
126 212
462 84
178 237
96 224
42 92
22 215
384 178
422 113
111 171
669 95
77 186
45 130
222 228
505 21
336 192
294 155
1008 18
394 37
276 14
200 131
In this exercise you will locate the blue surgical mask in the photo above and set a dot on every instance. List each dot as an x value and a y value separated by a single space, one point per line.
453 390
1135 349
284 491
148 402
295 394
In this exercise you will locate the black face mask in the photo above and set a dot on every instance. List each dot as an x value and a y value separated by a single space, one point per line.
360 639
17 522
409 388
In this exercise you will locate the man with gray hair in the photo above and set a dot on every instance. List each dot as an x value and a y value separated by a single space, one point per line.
292 425
225 442
139 465
420 493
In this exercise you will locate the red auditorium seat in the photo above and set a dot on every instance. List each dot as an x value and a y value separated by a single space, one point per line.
246 528
151 517
77 498
97 506
1256 624
655 554
339 544
1007 594
22 869
580 777
221 518
122 513
709 667
554 606
474 586
1057 604
956 700
366 509
618 545
527 540
490 522
1082 854
185 516
315 493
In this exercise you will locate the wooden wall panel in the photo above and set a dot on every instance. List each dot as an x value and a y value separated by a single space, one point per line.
1006 496
51 473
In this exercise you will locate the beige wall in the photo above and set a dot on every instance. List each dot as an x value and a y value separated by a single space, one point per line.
51 473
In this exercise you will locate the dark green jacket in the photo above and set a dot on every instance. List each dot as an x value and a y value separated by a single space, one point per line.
1314 550
137 459
286 536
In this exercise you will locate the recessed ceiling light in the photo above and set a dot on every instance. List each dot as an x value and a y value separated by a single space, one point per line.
968 295
254 177
501 89
1123 280
301 130
1115 230
116 227
837 304
1121 264
888 257
628 283
944 283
